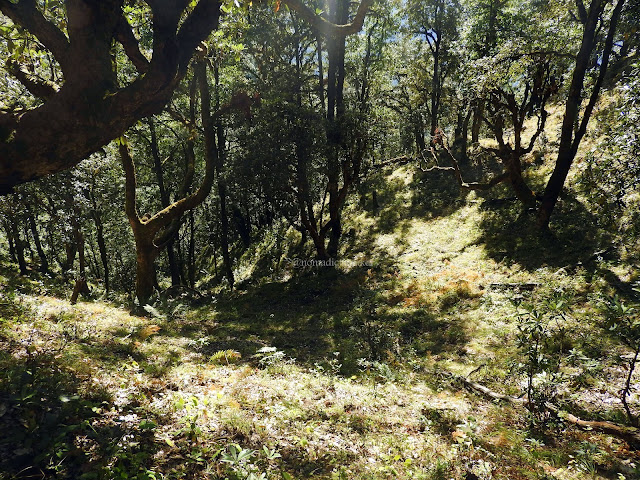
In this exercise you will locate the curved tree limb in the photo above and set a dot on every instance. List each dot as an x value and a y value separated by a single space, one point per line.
91 110
37 86
131 46
326 27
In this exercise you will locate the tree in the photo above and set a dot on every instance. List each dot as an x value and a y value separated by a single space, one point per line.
94 103
592 21
436 20
507 108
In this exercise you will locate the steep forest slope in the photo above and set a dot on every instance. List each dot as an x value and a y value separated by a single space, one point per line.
354 372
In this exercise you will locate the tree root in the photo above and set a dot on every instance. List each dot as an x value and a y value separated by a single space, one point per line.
629 434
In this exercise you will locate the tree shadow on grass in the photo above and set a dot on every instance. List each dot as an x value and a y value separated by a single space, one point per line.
511 235
326 317
417 194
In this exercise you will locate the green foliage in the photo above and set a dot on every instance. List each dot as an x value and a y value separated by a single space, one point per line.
225 356
538 327
623 320
611 174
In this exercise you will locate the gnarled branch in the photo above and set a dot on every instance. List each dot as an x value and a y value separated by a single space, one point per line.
26 14
131 46
37 86
326 27
629 434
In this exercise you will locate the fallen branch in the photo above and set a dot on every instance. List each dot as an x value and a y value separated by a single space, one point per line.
497 179
514 286
629 434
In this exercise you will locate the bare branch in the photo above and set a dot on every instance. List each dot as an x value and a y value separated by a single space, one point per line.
458 173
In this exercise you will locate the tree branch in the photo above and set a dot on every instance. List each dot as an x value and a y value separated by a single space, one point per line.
324 26
193 30
615 17
458 173
25 14
37 86
582 12
629 434
129 42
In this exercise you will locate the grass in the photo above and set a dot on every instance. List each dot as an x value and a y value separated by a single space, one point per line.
329 374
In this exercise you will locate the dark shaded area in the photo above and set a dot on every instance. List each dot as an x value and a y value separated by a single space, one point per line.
57 424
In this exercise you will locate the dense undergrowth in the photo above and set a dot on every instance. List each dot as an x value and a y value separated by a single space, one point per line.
341 373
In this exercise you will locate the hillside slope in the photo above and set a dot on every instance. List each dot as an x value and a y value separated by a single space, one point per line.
336 374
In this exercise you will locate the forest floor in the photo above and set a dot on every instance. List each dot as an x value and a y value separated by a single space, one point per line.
345 373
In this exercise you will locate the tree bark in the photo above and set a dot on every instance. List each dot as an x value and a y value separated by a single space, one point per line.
569 142
19 246
44 263
90 109
174 268
478 114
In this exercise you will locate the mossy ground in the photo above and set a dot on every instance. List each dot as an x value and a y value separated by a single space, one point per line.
324 373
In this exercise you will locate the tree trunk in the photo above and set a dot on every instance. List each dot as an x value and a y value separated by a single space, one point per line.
174 268
478 113
460 137
224 232
10 241
90 109
435 88
520 187
569 142
174 264
102 247
19 245
338 12
191 258
146 282
44 263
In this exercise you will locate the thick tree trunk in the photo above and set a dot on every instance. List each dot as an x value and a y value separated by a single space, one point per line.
146 281
460 140
522 190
